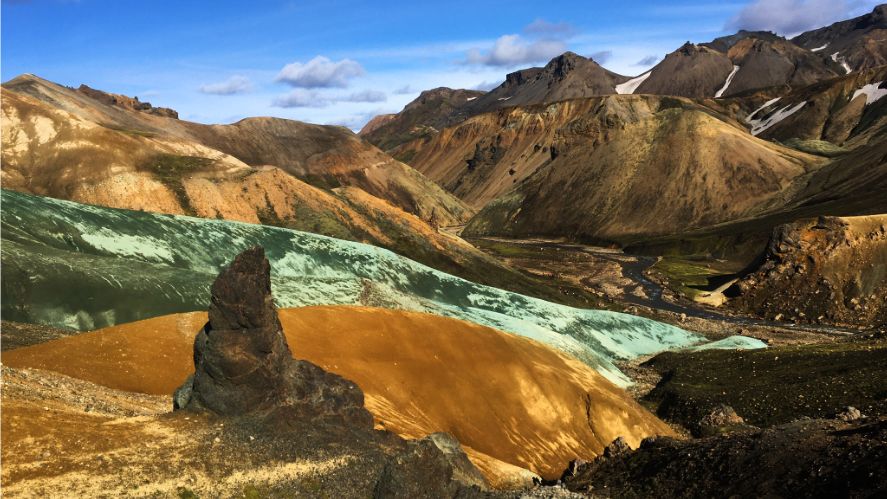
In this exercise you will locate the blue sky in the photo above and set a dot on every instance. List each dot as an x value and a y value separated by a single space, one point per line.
341 62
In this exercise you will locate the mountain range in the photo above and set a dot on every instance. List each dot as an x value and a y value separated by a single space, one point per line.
510 270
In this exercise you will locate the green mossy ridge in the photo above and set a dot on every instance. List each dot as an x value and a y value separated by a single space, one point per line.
405 156
772 386
171 168
817 147
129 131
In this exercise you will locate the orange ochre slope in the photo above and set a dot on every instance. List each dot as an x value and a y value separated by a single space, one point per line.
509 400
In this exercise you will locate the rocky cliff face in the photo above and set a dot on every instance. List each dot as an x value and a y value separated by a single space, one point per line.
126 102
855 44
831 270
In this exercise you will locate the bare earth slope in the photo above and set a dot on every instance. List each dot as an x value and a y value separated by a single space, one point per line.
121 143
503 397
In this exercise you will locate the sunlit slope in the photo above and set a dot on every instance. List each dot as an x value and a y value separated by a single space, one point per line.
84 267
500 395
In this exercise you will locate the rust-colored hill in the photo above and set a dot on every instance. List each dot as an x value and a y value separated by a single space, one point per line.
80 139
507 399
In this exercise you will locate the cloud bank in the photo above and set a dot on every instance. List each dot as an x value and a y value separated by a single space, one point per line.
236 84
512 50
320 72
792 17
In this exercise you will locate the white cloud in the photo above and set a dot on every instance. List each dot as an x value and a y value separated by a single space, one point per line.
320 72
486 86
601 57
544 28
647 60
512 50
301 98
237 84
365 96
405 90
791 17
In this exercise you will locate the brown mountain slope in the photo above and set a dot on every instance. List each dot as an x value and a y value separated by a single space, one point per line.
691 71
843 111
506 399
608 168
766 63
736 64
856 44
324 155
567 76
424 116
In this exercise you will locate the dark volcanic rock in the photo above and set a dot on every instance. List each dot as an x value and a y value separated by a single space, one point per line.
812 458
243 364
827 270
244 370
126 102
435 466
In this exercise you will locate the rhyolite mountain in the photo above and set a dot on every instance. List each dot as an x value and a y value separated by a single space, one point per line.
734 64
104 149
122 142
855 44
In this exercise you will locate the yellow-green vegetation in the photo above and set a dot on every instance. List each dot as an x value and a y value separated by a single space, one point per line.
818 147
685 276
129 131
171 168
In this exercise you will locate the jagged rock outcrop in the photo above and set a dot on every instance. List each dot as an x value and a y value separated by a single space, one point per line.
126 102
244 369
808 458
243 364
830 269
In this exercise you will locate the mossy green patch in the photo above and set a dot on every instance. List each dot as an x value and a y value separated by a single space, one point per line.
817 147
685 276
171 168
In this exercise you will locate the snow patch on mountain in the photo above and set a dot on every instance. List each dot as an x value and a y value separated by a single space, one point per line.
760 125
817 49
631 85
767 104
872 92
728 82
843 62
